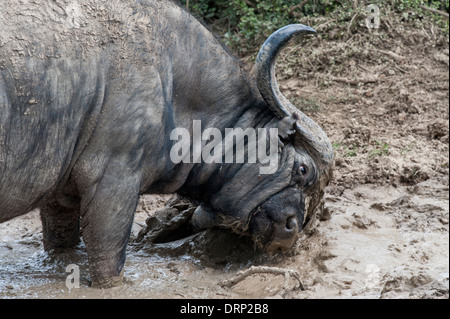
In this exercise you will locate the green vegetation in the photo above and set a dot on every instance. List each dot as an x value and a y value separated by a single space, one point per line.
346 151
381 149
307 105
373 150
245 24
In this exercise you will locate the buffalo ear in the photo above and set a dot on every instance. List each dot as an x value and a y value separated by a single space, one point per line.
286 127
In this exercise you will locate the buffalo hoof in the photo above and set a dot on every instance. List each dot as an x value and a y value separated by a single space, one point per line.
107 282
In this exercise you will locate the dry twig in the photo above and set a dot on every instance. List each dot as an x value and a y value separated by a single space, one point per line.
250 3
393 55
320 26
351 23
298 6
354 81
442 13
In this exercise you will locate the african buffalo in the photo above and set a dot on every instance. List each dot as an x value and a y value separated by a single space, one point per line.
90 91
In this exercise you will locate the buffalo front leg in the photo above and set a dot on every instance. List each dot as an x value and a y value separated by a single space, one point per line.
107 217
60 226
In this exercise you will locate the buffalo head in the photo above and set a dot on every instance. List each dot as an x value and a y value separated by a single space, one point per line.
271 208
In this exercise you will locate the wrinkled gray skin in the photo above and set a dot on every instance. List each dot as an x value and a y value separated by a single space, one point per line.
89 93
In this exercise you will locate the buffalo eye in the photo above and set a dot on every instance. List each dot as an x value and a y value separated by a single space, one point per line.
302 174
302 170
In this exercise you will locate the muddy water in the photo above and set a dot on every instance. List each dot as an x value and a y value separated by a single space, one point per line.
382 242
377 242
26 271
172 270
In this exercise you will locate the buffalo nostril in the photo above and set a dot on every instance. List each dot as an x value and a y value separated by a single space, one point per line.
291 223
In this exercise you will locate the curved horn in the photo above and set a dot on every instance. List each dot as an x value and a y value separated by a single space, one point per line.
309 136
